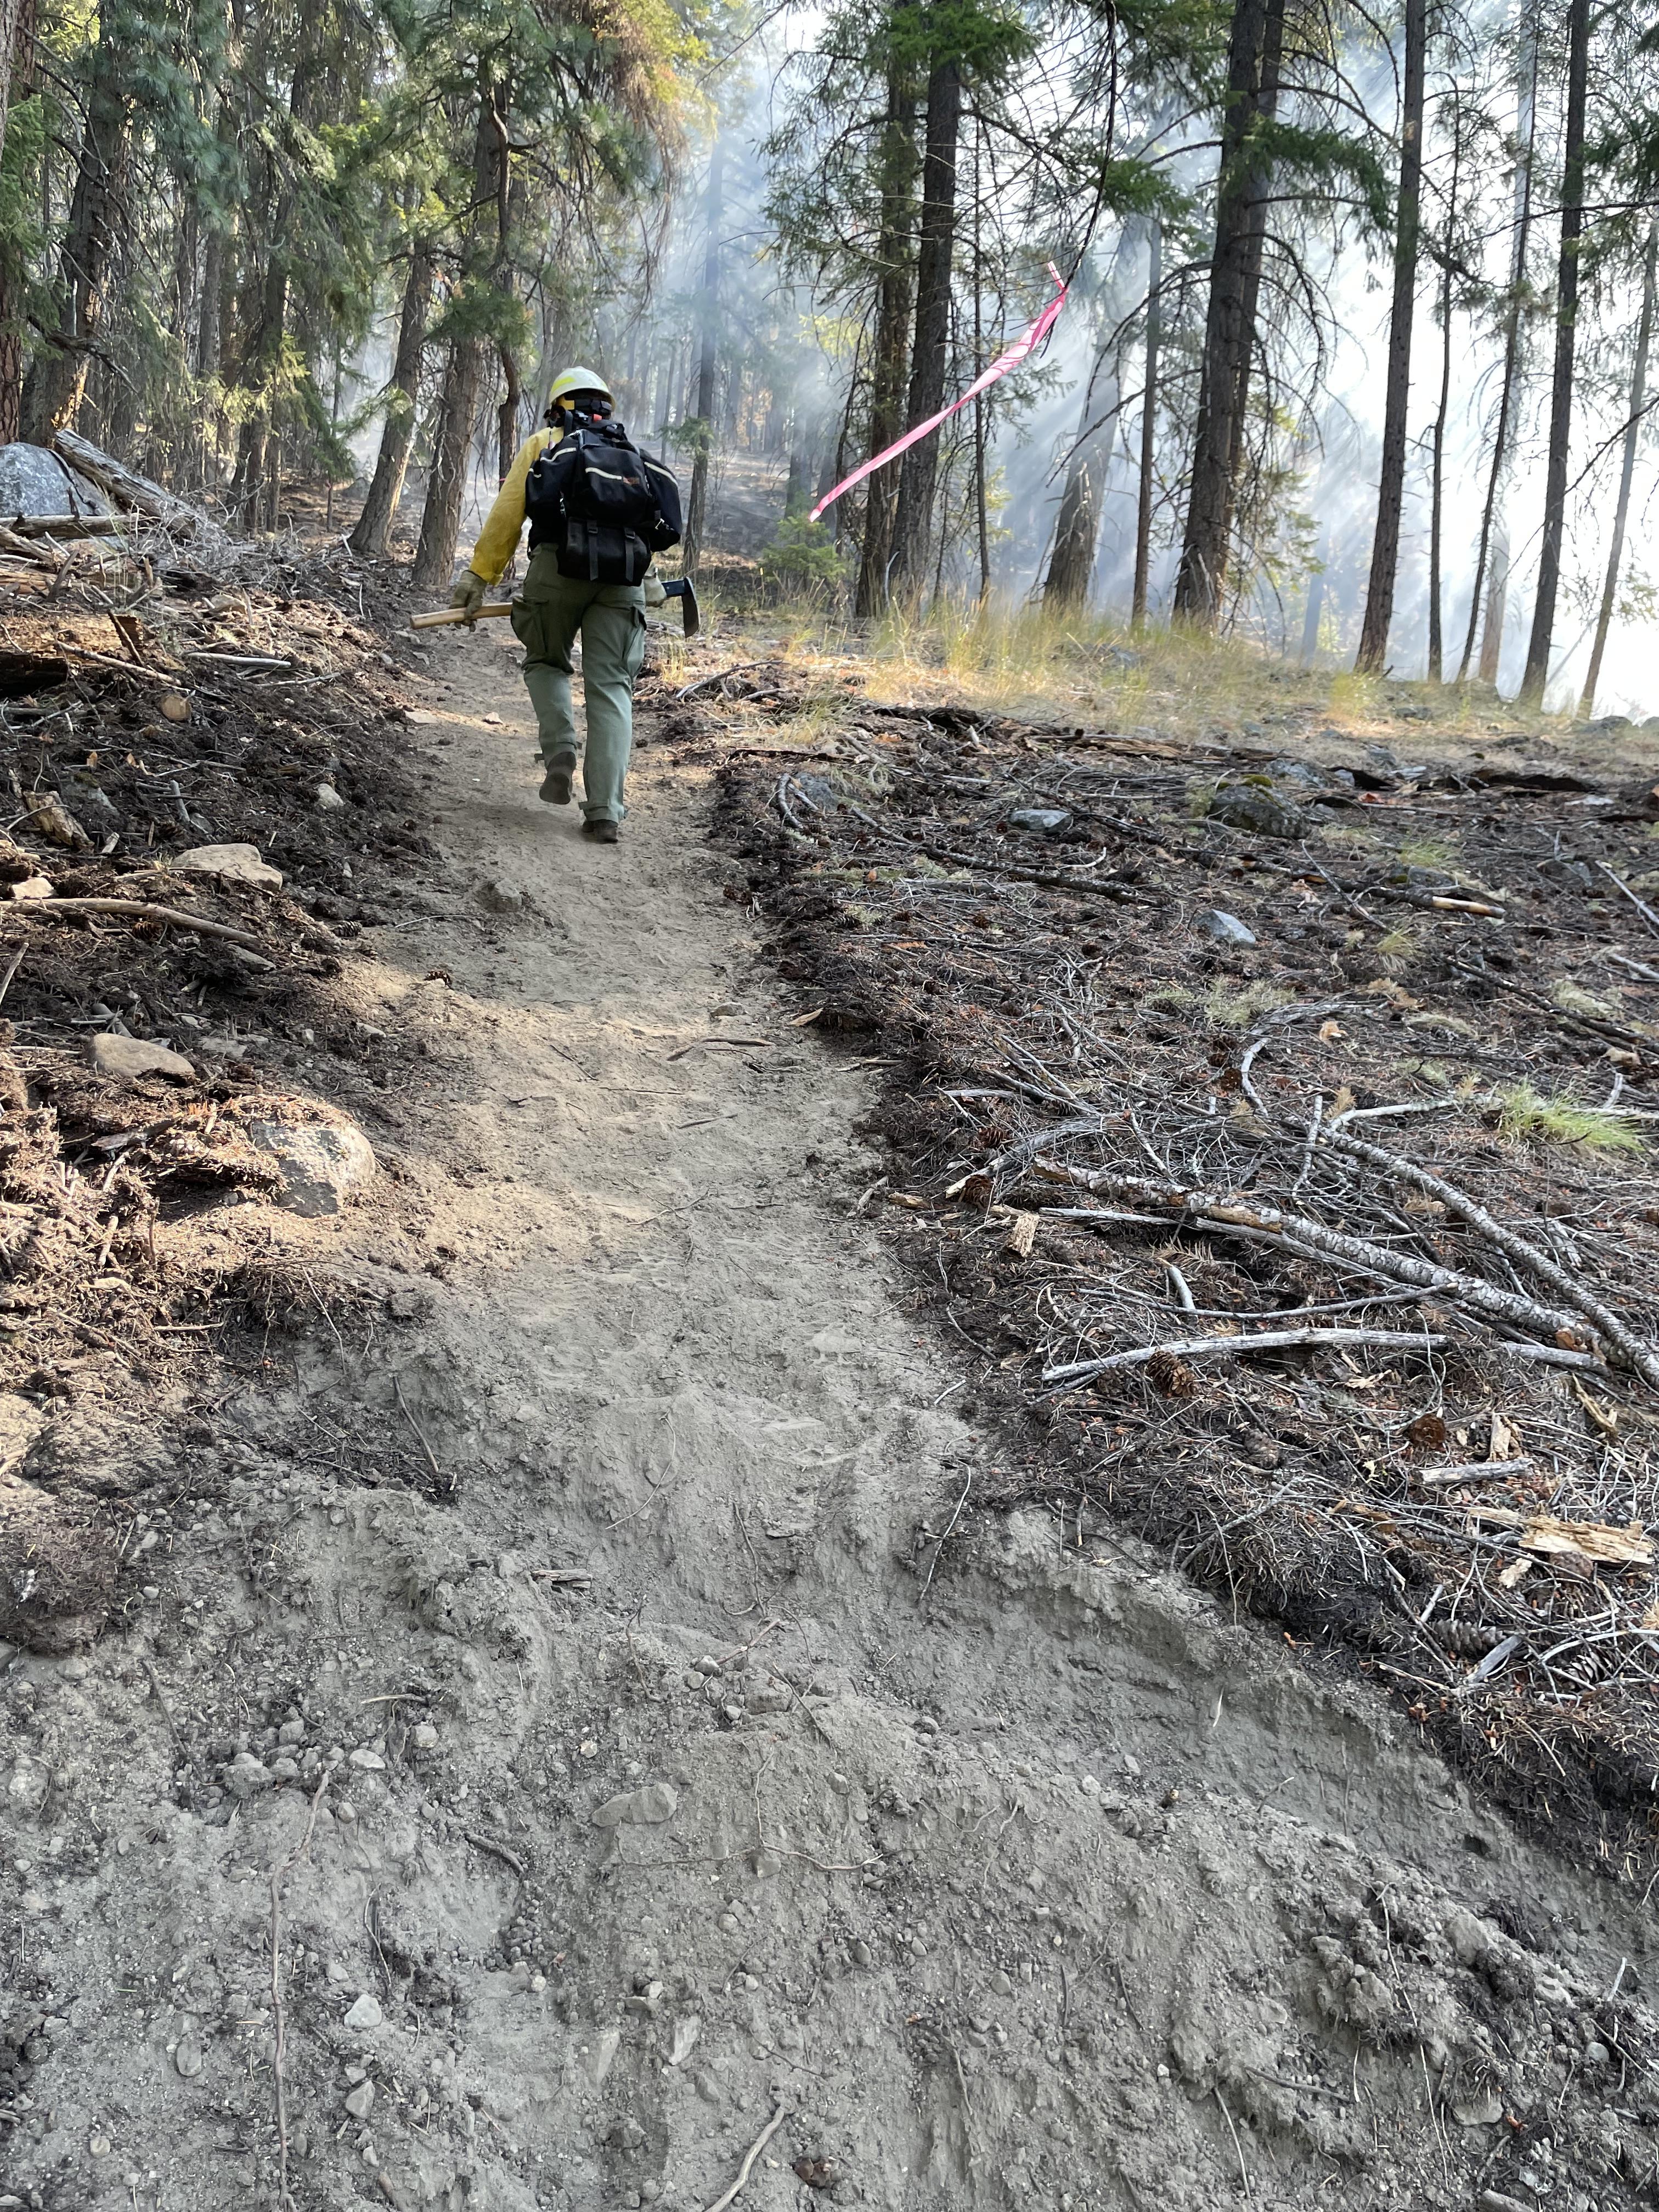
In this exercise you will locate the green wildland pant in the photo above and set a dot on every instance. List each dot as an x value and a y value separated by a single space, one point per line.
548 614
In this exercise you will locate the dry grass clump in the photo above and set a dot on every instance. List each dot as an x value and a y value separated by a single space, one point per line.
1528 1115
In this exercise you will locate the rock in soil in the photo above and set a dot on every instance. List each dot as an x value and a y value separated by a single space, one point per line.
322 1162
126 1058
235 864
1226 928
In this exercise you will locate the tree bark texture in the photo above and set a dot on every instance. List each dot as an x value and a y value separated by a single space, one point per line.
386 489
914 533
56 383
251 492
462 384
1498 605
1373 652
17 29
1072 562
1536 674
509 217
1148 482
697 508
1437 483
1230 321
1639 389
889 354
16 52
1491 638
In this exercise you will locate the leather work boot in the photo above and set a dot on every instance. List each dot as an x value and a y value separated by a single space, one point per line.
603 833
555 784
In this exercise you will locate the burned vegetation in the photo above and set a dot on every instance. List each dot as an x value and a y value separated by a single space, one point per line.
1271 1132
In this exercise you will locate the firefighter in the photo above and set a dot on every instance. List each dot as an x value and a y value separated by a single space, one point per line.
553 609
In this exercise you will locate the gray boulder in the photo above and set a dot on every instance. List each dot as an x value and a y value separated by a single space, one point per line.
1226 928
321 1164
1258 807
34 481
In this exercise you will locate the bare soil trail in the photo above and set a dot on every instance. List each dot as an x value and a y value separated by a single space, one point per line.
680 1782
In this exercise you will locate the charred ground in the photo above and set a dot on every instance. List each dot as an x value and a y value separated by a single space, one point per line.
1112 1133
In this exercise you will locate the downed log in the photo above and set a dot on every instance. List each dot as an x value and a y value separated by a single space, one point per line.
67 526
125 485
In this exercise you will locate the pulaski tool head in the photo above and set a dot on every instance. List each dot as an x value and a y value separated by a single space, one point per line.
683 589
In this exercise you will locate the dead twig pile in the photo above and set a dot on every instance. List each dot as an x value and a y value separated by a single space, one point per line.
1281 1157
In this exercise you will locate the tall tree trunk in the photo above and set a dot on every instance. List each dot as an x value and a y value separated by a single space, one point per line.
914 533
982 522
1639 388
1273 54
462 382
1536 674
19 56
16 54
509 216
56 384
890 352
1373 652
708 361
386 489
1071 561
251 485
1312 615
1498 605
207 327
445 490
1147 484
1437 483
1230 332
1491 638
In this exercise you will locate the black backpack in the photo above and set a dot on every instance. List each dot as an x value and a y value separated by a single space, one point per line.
602 505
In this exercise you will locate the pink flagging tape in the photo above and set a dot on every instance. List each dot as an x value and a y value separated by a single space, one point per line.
1022 348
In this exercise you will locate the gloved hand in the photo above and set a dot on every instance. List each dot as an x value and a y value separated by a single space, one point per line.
469 594
654 594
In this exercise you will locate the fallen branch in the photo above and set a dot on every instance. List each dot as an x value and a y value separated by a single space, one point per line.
1479 1470
1633 1353
1313 1240
1640 904
1489 1666
431 1456
488 1844
12 541
1222 1347
749 2156
703 683
146 910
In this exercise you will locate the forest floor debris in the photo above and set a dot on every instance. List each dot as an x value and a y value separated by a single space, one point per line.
174 908
566 1733
1256 1036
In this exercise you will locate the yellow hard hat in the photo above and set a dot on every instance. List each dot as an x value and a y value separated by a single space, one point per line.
569 380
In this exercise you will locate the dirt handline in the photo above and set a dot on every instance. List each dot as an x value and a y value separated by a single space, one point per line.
1040 1879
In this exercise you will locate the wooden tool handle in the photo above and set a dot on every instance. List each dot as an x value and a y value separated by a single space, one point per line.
458 614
